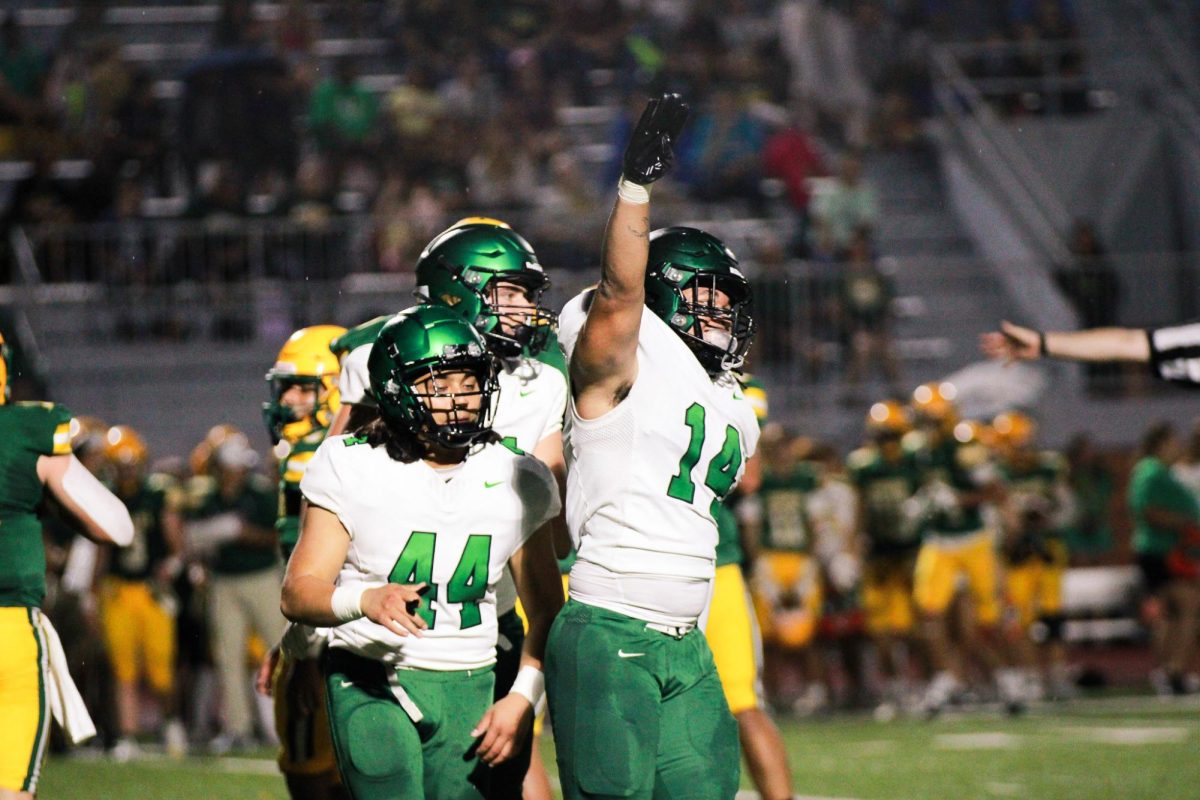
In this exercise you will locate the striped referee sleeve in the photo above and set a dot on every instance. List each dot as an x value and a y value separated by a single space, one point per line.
1175 353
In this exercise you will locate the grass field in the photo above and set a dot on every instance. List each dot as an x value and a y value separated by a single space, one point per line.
1132 749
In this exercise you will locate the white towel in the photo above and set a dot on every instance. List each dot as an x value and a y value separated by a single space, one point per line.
66 704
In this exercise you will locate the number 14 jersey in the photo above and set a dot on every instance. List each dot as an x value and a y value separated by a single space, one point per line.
409 524
644 480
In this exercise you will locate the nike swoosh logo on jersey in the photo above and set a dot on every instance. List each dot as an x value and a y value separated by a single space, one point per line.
347 684
623 654
524 393
490 484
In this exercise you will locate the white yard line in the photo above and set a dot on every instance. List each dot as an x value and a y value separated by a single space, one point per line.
984 740
1121 735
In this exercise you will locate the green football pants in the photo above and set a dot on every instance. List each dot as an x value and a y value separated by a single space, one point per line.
637 713
382 754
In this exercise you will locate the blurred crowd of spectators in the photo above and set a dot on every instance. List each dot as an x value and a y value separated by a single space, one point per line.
426 109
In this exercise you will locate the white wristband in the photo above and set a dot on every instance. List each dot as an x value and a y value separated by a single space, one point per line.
633 192
347 602
530 683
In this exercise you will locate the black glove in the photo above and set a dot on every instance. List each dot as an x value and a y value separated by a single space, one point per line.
649 153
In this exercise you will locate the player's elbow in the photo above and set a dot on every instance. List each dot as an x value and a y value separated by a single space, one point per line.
288 605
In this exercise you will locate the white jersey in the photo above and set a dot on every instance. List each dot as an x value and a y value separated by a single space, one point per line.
532 401
355 379
408 524
644 479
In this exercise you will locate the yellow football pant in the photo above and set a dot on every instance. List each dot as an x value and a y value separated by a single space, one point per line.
24 710
790 599
940 562
1034 587
888 595
139 633
734 641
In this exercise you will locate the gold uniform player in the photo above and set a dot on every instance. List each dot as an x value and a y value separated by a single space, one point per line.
1039 500
958 481
304 400
36 457
886 478
136 605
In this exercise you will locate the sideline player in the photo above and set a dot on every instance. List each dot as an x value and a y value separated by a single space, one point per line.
304 399
657 435
137 604
886 478
36 463
409 525
957 482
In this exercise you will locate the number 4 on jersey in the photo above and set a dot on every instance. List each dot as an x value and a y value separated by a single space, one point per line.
723 468
467 585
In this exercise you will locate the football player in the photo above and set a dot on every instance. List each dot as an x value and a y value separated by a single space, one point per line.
733 634
36 463
957 481
304 400
886 478
489 275
657 436
787 578
409 525
137 604
230 518
1037 510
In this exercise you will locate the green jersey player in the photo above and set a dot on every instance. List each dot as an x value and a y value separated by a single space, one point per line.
657 435
409 526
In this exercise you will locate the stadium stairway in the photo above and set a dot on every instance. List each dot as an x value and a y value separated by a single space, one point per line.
945 295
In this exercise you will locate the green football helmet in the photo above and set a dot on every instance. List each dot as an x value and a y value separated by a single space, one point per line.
683 261
425 342
462 268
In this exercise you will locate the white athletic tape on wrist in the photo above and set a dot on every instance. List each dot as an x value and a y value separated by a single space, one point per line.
347 602
633 192
530 683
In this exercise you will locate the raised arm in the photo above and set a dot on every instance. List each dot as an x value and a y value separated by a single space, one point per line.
604 362
1016 343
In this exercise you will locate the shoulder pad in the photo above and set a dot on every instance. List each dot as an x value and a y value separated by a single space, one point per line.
48 426
356 337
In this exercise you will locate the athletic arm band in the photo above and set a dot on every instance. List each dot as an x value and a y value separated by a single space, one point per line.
347 601
530 683
633 192
102 507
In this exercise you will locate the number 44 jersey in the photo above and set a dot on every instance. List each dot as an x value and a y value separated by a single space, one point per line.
453 529
644 480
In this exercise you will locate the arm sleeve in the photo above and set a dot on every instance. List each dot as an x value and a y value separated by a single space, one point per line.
322 482
354 380
1175 353
539 494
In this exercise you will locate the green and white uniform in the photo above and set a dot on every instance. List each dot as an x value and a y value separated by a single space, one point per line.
636 704
455 530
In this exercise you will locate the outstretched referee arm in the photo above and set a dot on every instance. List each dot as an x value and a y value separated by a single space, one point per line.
1173 352
604 362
